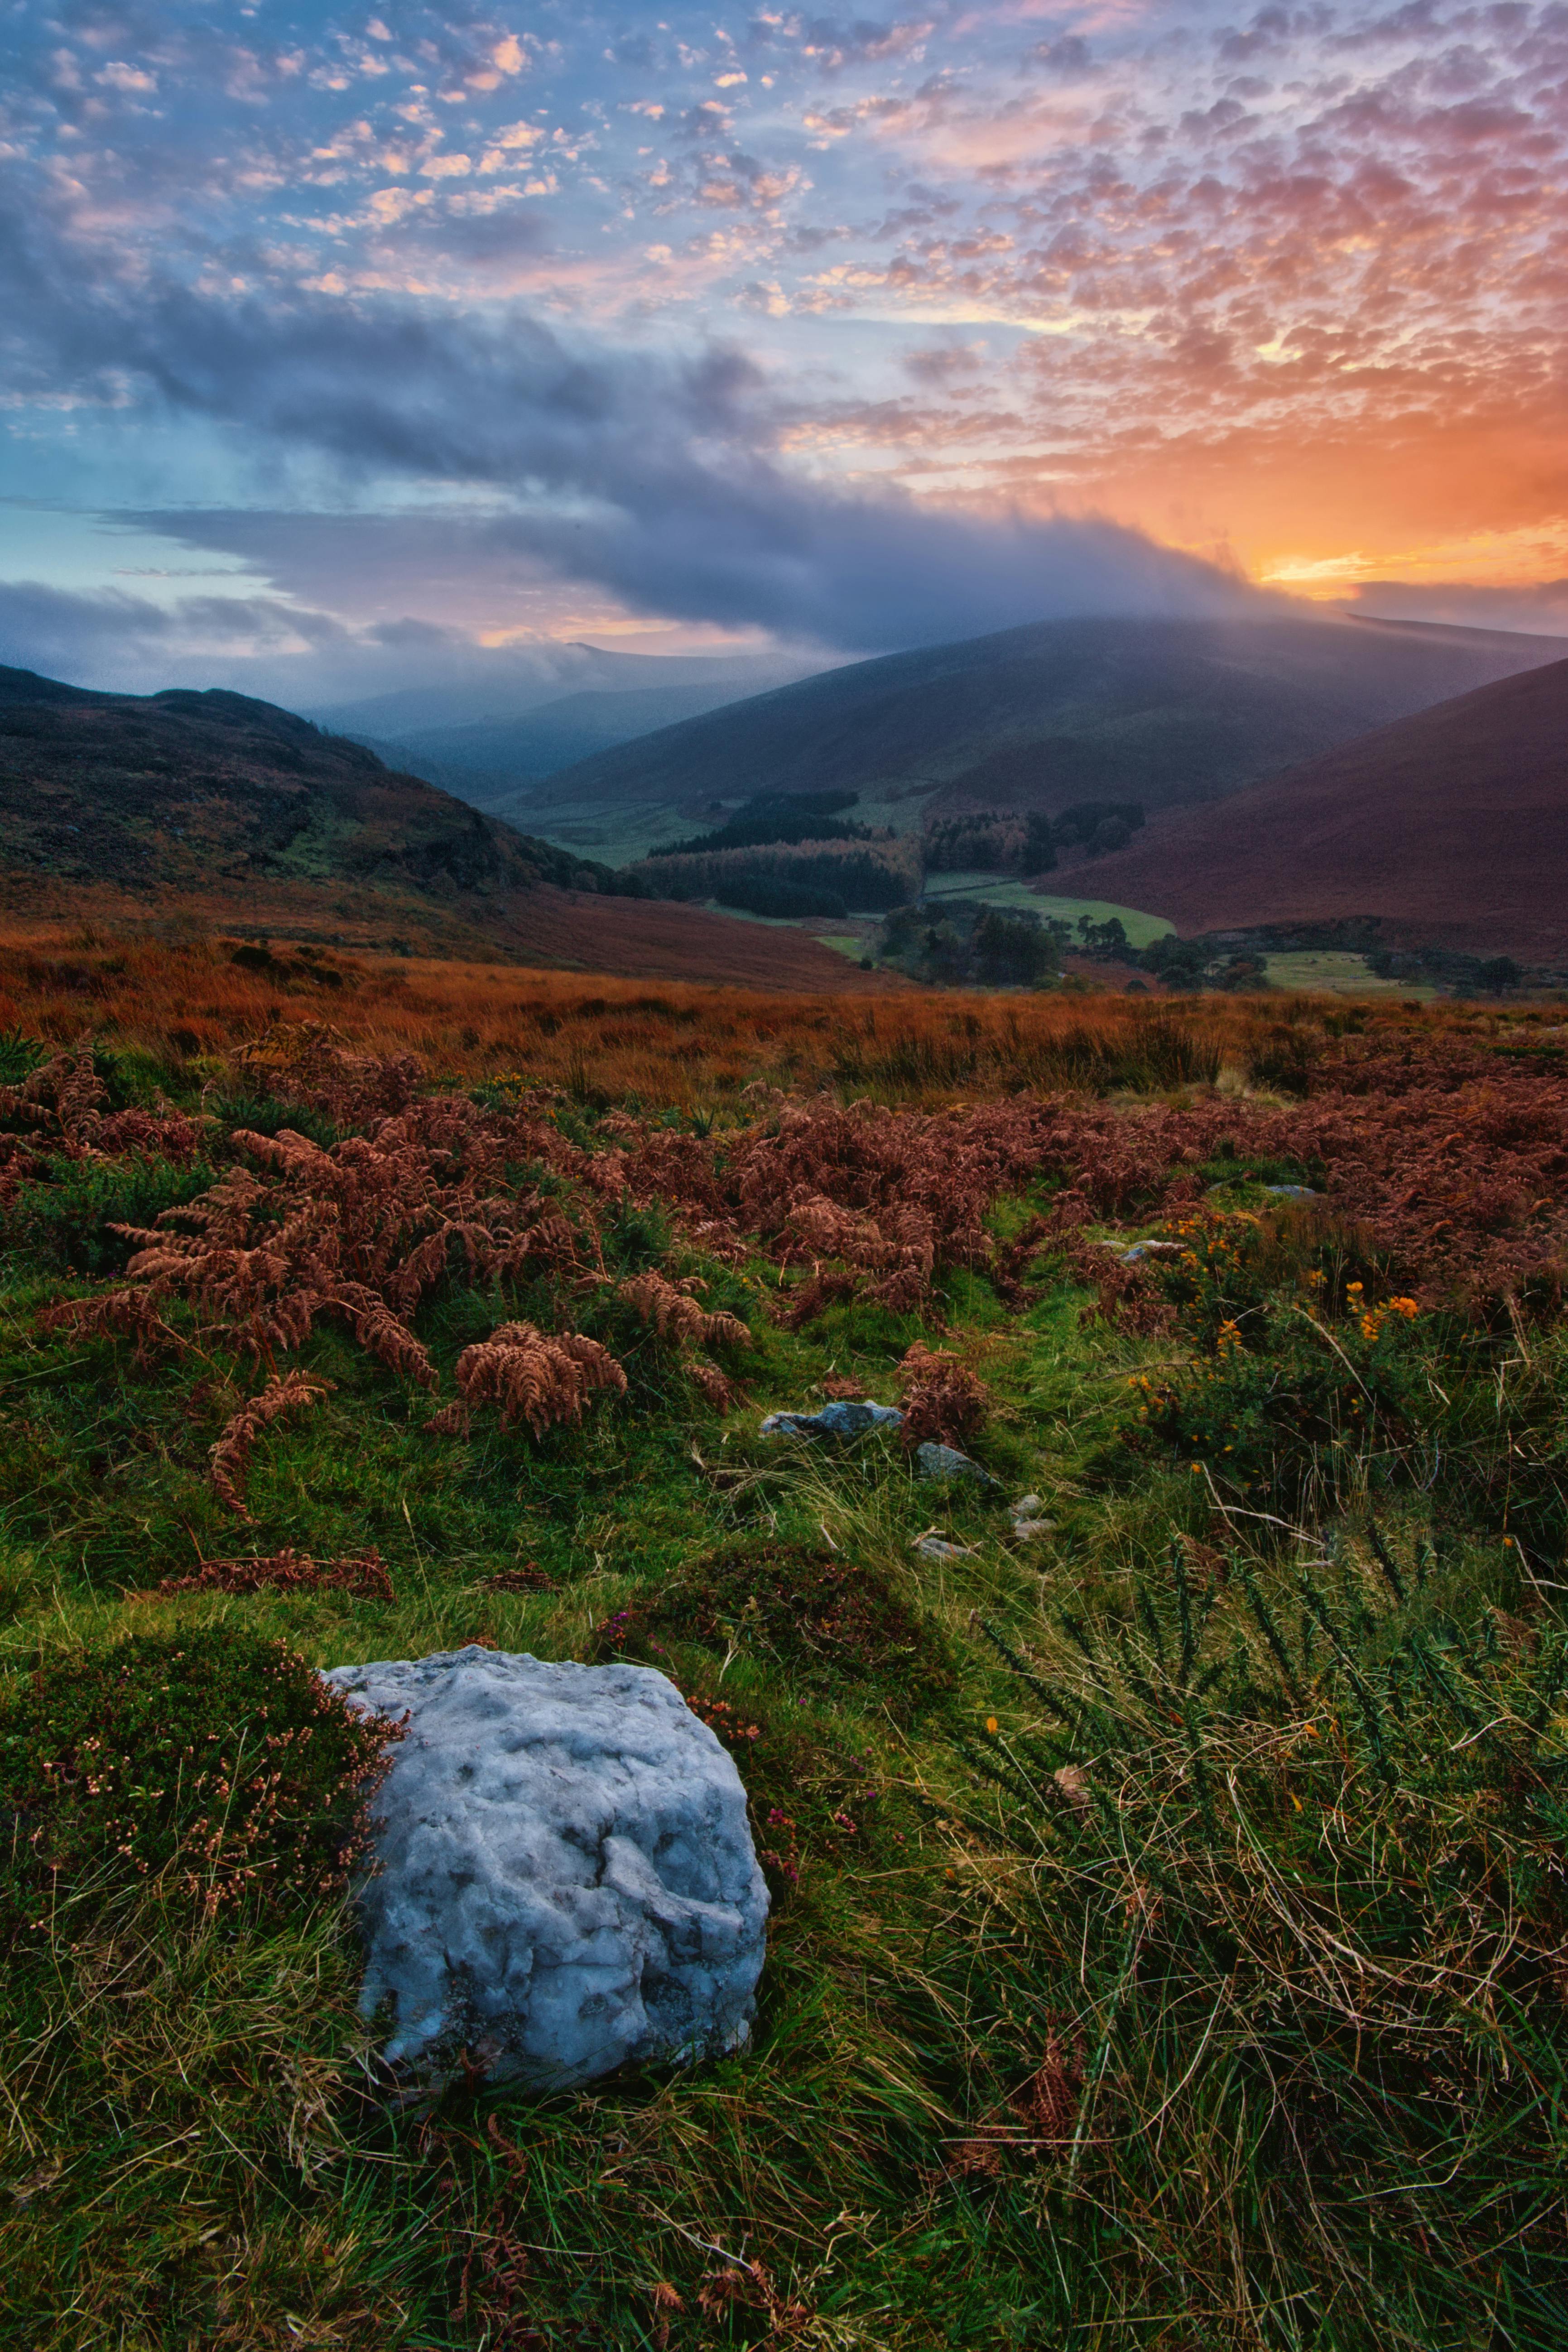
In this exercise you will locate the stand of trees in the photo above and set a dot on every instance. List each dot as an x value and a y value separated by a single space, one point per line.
1002 840
777 818
868 876
990 947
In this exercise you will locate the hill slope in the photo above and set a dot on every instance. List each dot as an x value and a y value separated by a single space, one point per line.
236 814
1451 826
1166 712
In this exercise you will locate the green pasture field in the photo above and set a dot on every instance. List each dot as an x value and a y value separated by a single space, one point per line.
1164 1901
998 890
1337 973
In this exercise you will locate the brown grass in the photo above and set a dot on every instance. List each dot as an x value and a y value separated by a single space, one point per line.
671 1043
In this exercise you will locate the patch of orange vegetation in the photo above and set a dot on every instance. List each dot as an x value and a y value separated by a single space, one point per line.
188 1003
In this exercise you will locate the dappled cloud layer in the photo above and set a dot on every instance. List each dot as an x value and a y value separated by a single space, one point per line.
858 332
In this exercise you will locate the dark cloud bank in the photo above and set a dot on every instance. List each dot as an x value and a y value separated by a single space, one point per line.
651 478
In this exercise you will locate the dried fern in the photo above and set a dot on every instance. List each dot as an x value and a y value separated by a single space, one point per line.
529 1376
286 1392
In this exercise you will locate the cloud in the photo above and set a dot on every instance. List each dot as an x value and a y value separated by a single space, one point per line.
1538 608
114 639
654 480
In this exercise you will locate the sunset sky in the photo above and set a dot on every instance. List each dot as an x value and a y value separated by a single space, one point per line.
342 348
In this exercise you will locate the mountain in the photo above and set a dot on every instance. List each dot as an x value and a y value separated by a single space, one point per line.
216 808
1451 826
487 762
513 684
1162 711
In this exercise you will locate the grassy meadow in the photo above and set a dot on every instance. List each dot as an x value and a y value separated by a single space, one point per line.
1170 1932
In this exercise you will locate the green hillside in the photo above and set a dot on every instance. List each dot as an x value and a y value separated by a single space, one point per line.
1161 711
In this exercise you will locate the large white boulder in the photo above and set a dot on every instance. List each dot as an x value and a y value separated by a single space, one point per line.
567 1878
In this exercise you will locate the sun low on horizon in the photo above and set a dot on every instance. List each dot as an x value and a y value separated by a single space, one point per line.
347 348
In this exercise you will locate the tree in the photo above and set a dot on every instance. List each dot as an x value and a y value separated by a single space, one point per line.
1039 844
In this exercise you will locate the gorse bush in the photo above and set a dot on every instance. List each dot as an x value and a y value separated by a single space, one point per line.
68 1219
1293 1889
212 1762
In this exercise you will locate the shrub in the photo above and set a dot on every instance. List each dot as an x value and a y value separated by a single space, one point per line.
213 1761
822 1617
67 1221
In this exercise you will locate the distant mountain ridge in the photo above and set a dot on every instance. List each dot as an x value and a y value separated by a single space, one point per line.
487 761
526 682
1165 712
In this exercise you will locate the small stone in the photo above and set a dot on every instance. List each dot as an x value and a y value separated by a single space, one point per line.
935 1461
1028 1525
565 1881
933 1545
836 1419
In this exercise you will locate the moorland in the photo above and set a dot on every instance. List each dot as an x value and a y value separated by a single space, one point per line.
1170 1929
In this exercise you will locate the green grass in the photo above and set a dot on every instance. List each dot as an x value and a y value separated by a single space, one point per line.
998 890
1250 2033
1338 973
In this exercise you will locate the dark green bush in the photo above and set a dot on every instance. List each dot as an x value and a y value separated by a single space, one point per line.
19 1057
213 1761
267 1115
66 1223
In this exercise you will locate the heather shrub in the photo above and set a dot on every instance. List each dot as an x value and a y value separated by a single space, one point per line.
816 1614
212 1762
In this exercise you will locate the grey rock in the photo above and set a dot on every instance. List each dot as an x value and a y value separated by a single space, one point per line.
566 1879
1030 1524
1294 1192
935 1461
836 1419
934 1545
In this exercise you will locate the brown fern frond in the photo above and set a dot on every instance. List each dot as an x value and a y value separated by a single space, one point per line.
286 1392
942 1399
724 1331
78 1091
362 1572
532 1378
672 1310
718 1391
828 1229
128 1313
668 1305
376 1327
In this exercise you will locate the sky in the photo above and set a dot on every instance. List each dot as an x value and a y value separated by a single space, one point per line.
343 350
